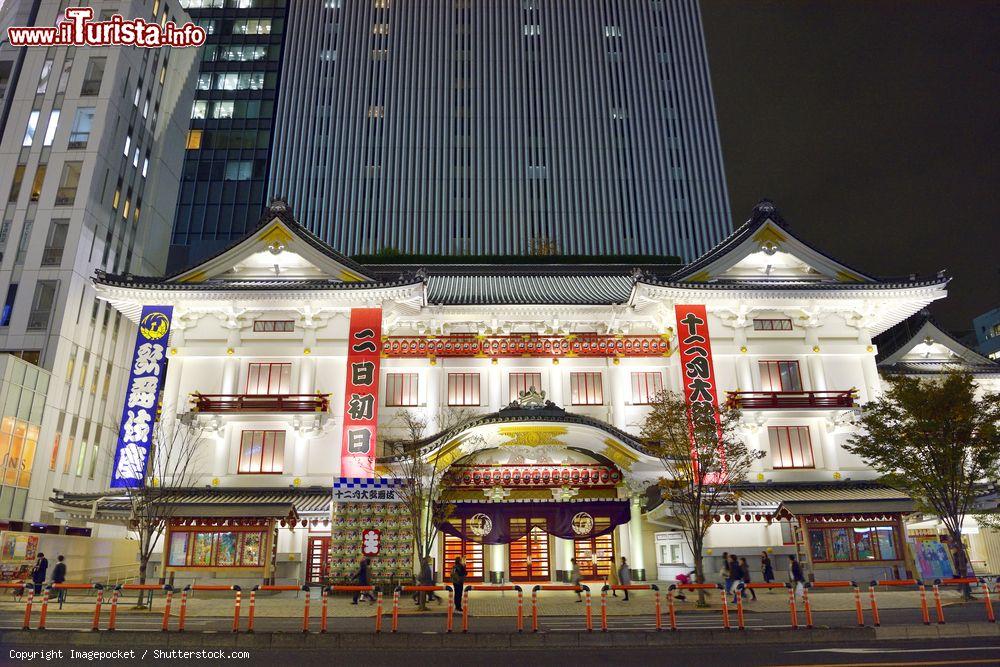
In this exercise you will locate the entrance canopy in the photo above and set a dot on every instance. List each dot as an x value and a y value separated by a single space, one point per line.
502 523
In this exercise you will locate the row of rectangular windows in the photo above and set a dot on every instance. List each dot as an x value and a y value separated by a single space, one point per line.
262 452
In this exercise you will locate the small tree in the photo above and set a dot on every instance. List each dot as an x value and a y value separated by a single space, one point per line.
935 441
170 467
422 475
703 456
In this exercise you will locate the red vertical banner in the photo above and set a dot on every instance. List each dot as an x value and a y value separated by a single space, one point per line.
364 347
695 348
697 369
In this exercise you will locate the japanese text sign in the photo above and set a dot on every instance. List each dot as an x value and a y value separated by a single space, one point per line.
364 346
145 380
371 541
367 490
697 371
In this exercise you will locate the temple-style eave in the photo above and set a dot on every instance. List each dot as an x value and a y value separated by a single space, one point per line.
426 445
801 288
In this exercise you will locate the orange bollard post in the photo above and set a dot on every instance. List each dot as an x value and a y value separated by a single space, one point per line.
183 613
671 611
449 618
465 610
166 610
588 611
534 609
656 607
96 625
520 609
791 607
807 606
989 603
324 594
237 602
113 614
725 609
857 605
871 592
604 609
252 610
395 609
305 611
378 612
27 609
739 610
938 609
43 613
924 614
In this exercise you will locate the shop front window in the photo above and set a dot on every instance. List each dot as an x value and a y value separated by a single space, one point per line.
863 544
853 543
217 547
817 542
886 543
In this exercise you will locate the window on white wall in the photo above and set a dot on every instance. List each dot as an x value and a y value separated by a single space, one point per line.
791 447
518 382
266 378
586 389
780 376
262 453
463 389
645 387
402 389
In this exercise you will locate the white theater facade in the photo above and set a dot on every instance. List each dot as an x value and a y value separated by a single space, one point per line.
533 380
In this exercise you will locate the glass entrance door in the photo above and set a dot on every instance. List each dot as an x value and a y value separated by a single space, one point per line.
318 560
529 555
595 556
471 551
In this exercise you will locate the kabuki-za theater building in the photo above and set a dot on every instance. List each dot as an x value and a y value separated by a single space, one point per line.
293 365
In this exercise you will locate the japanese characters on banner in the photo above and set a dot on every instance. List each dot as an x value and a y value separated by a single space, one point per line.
358 490
145 380
371 541
357 455
695 349
697 370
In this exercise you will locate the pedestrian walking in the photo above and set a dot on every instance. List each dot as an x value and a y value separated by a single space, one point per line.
745 569
458 573
59 577
576 579
796 576
766 569
684 579
735 577
613 578
624 576
38 572
364 579
426 578
724 572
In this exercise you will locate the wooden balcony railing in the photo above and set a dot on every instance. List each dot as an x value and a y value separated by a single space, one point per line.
221 403
783 400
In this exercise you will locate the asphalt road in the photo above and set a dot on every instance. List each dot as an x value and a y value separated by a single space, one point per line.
964 652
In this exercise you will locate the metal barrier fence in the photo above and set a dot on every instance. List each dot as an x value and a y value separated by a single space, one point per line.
101 600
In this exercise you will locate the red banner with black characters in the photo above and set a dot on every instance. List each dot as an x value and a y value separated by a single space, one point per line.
697 370
695 347
364 344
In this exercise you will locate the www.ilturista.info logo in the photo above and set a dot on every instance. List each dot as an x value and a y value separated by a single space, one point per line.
77 29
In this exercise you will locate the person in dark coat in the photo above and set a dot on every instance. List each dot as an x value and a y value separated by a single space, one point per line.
745 570
625 576
38 572
363 580
766 569
59 577
426 578
735 576
458 574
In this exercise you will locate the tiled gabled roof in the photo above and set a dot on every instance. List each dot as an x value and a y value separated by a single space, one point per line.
151 282
528 289
255 501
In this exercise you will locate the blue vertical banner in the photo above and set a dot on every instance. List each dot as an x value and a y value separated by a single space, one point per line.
145 380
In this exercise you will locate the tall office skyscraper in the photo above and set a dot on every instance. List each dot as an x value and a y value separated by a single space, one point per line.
232 119
92 142
467 126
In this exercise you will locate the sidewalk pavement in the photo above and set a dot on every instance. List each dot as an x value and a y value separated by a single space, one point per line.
483 603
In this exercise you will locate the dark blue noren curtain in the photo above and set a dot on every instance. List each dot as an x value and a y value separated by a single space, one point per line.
502 523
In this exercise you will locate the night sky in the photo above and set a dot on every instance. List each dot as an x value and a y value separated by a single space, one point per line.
875 128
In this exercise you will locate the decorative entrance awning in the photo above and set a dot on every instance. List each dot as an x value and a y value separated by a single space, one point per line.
502 523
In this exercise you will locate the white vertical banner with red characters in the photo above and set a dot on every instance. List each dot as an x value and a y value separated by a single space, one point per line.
364 347
697 370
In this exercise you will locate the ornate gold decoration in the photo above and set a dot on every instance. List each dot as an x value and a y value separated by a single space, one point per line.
700 277
532 436
229 350
275 237
815 348
768 235
848 277
196 277
618 454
